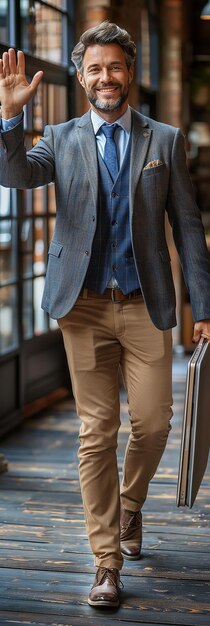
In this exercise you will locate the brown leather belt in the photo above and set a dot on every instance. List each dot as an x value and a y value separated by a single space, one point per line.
115 295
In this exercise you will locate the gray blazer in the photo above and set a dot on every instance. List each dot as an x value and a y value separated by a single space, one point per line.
67 155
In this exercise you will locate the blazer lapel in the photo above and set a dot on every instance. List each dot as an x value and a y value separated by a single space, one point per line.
141 136
87 142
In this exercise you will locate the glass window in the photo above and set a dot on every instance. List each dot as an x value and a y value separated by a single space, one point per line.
57 104
27 317
27 217
51 228
4 21
51 198
8 317
39 246
40 317
43 30
5 205
27 235
39 200
8 250
27 201
27 266
38 107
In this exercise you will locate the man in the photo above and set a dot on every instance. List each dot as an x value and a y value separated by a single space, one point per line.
109 281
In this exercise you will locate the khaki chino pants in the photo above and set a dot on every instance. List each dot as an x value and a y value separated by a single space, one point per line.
101 337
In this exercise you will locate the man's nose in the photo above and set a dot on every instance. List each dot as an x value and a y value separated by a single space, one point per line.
105 74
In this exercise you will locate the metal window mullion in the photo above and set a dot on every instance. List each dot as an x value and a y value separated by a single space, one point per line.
52 6
13 21
65 40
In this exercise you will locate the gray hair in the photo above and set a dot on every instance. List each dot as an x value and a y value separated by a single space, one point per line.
103 34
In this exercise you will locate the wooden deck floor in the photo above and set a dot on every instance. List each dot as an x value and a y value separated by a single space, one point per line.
46 568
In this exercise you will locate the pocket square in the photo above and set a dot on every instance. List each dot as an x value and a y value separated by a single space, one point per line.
153 164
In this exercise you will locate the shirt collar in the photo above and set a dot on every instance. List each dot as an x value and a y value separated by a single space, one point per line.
124 121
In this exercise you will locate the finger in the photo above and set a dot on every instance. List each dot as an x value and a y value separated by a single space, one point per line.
1 68
36 80
205 336
196 335
12 61
5 59
21 62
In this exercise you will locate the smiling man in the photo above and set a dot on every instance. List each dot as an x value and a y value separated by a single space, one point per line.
106 78
109 282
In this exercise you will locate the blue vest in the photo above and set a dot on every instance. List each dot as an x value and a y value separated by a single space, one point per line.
112 254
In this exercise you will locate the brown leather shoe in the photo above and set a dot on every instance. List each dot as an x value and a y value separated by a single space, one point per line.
105 591
130 534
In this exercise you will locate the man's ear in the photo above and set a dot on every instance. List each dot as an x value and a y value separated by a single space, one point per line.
80 79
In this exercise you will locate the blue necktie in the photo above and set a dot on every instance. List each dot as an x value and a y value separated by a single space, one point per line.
110 151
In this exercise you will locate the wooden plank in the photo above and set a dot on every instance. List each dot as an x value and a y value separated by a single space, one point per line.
42 535
153 564
163 599
27 619
76 540
34 514
95 619
60 499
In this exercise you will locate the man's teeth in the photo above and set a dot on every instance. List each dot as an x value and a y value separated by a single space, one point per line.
108 89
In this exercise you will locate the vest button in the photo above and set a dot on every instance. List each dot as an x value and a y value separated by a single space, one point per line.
94 219
113 194
114 244
114 267
87 252
114 222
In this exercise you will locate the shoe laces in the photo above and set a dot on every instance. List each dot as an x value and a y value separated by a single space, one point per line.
112 575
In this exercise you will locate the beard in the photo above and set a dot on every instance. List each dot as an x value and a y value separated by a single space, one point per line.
109 105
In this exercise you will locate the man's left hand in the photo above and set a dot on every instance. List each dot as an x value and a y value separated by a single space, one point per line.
201 329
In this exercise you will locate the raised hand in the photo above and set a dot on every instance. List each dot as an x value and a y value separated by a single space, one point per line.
15 91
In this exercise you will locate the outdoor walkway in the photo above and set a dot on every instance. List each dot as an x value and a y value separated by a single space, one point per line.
46 568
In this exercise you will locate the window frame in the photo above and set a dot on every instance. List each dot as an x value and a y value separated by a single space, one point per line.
25 360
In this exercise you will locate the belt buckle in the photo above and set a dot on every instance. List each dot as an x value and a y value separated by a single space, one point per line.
113 299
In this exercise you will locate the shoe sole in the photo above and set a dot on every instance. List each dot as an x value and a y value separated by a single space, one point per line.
131 558
103 603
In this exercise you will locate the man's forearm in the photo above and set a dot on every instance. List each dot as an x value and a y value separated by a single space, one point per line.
20 169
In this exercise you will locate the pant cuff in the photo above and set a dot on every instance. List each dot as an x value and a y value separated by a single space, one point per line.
109 562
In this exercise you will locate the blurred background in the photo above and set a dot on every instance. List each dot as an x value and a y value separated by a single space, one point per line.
172 84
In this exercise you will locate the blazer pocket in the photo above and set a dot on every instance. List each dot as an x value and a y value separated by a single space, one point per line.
153 171
165 256
55 248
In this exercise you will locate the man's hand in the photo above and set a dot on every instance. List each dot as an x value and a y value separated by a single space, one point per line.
201 329
15 91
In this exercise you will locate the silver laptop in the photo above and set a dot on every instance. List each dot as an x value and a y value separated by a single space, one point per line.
195 441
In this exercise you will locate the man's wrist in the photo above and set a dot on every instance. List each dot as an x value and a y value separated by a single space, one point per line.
8 114
11 122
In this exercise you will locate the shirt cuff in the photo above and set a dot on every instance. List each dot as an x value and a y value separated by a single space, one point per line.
11 123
